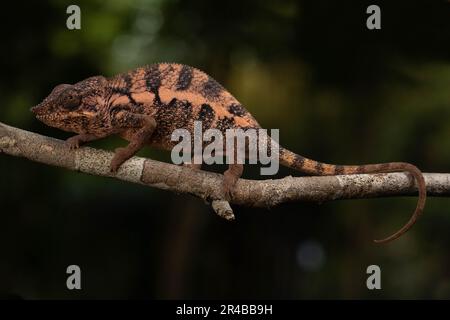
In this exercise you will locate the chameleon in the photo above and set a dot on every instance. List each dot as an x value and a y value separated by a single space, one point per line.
145 105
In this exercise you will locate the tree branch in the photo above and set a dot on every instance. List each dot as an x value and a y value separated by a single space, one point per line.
205 185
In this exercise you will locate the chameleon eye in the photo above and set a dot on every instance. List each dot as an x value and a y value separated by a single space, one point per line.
71 101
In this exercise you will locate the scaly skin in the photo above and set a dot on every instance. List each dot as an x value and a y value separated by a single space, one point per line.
145 105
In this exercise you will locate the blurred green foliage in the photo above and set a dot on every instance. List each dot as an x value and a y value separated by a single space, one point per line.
338 92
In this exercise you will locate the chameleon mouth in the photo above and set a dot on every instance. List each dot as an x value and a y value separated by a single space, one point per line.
38 110
34 109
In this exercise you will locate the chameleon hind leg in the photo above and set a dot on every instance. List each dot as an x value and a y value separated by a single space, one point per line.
230 177
137 129
234 171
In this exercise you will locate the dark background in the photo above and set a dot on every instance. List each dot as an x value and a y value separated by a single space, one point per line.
337 91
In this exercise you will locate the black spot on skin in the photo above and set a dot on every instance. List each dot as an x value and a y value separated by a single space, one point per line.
84 123
211 89
338 169
185 78
319 167
298 162
225 123
237 110
182 113
127 80
137 107
153 79
173 103
120 90
183 107
206 116
176 114
166 70
90 107
125 90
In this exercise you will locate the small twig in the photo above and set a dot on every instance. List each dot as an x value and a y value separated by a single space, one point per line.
223 209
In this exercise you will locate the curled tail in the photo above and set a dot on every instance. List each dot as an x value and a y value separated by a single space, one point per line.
297 162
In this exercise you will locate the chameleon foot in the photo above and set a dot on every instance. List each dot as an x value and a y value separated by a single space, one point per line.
230 177
120 156
73 143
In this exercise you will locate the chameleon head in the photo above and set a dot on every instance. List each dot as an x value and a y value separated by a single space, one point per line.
74 107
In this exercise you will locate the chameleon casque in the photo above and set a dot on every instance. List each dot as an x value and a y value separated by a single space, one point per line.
145 105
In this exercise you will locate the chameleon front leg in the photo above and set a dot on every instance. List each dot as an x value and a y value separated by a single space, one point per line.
192 165
76 141
141 128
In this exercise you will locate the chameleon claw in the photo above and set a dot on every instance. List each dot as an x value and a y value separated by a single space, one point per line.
118 159
114 166
230 177
227 191
73 143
